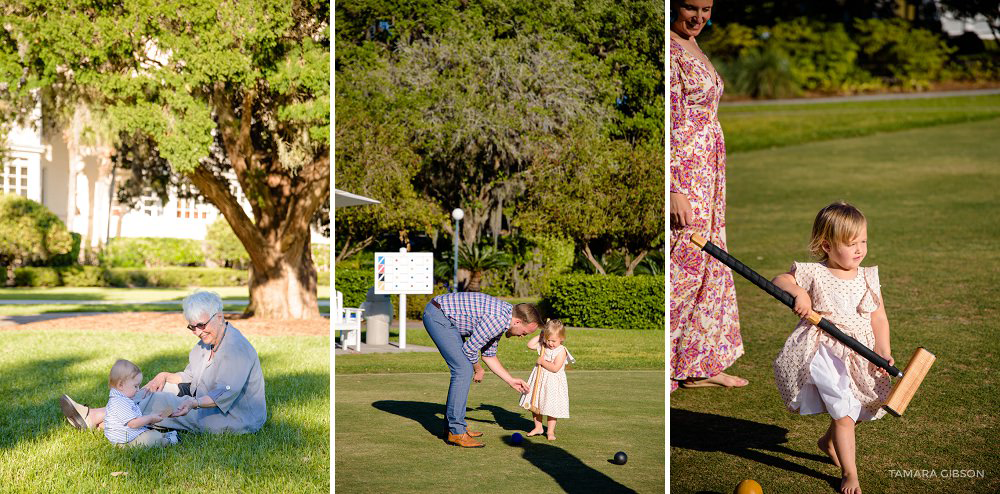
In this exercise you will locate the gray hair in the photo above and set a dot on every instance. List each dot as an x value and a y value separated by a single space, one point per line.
201 302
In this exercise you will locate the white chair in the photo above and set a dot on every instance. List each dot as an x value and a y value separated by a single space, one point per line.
348 322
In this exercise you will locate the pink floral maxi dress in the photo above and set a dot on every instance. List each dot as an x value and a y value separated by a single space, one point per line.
704 321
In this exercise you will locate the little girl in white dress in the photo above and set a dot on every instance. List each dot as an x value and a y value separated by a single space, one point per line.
816 373
548 391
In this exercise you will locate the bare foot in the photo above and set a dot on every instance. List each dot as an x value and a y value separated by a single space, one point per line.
850 485
826 445
728 381
551 437
720 380
535 432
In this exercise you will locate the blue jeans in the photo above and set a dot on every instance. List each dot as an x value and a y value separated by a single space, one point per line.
449 343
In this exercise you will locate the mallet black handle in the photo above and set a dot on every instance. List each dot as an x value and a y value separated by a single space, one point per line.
787 299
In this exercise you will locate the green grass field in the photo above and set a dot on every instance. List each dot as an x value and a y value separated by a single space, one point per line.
594 349
931 198
116 299
389 413
40 452
753 127
388 436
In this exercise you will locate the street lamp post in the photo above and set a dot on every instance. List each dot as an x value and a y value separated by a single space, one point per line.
458 214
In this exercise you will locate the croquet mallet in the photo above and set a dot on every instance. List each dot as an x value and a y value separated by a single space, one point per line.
534 391
916 369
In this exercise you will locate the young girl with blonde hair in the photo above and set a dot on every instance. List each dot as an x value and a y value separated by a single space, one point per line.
548 391
814 372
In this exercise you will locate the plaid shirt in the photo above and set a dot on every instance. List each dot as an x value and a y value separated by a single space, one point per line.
120 411
480 319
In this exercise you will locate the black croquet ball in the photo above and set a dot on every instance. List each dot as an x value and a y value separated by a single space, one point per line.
620 458
516 439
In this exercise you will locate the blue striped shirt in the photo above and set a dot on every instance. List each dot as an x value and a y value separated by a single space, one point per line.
480 319
120 411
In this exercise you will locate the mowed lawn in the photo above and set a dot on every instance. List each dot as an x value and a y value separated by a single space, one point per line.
23 301
389 422
40 452
932 202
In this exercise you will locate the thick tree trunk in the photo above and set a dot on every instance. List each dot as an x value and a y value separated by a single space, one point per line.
282 273
286 290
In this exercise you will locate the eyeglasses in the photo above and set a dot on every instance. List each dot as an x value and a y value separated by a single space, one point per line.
201 327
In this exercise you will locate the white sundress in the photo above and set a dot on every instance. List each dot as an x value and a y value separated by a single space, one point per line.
814 372
552 399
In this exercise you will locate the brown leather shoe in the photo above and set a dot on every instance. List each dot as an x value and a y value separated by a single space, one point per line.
464 441
75 413
470 432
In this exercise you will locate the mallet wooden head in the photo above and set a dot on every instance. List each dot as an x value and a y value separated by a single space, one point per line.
906 386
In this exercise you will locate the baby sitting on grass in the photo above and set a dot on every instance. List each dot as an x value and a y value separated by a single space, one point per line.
124 424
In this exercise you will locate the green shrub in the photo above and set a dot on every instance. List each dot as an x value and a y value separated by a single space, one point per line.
29 232
177 277
223 247
152 252
415 303
606 301
893 49
321 257
83 276
542 258
498 283
354 284
69 258
36 277
729 41
821 56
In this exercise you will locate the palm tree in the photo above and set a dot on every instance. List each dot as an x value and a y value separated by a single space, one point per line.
478 260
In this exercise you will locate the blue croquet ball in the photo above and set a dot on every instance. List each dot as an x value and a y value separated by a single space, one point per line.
620 458
516 438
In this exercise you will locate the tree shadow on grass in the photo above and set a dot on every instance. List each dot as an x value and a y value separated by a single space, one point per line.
508 420
744 438
30 396
429 415
570 473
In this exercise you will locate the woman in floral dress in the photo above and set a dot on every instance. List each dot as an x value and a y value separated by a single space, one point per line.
704 321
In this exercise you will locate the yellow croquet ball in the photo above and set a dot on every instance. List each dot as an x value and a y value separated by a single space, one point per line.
748 487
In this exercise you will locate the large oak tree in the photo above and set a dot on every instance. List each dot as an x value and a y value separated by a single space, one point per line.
251 78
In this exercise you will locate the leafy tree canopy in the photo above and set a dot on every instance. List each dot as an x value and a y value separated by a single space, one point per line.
250 78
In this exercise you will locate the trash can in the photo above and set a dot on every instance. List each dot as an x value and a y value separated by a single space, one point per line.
378 315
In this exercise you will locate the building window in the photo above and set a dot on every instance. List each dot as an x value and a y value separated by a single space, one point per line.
150 206
14 177
192 209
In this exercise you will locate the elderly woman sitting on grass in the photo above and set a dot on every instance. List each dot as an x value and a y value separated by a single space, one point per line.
220 390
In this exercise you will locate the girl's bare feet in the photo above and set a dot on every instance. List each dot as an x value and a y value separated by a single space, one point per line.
850 485
551 437
826 445
535 432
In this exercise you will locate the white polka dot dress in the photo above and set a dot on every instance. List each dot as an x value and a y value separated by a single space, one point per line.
553 391
814 372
